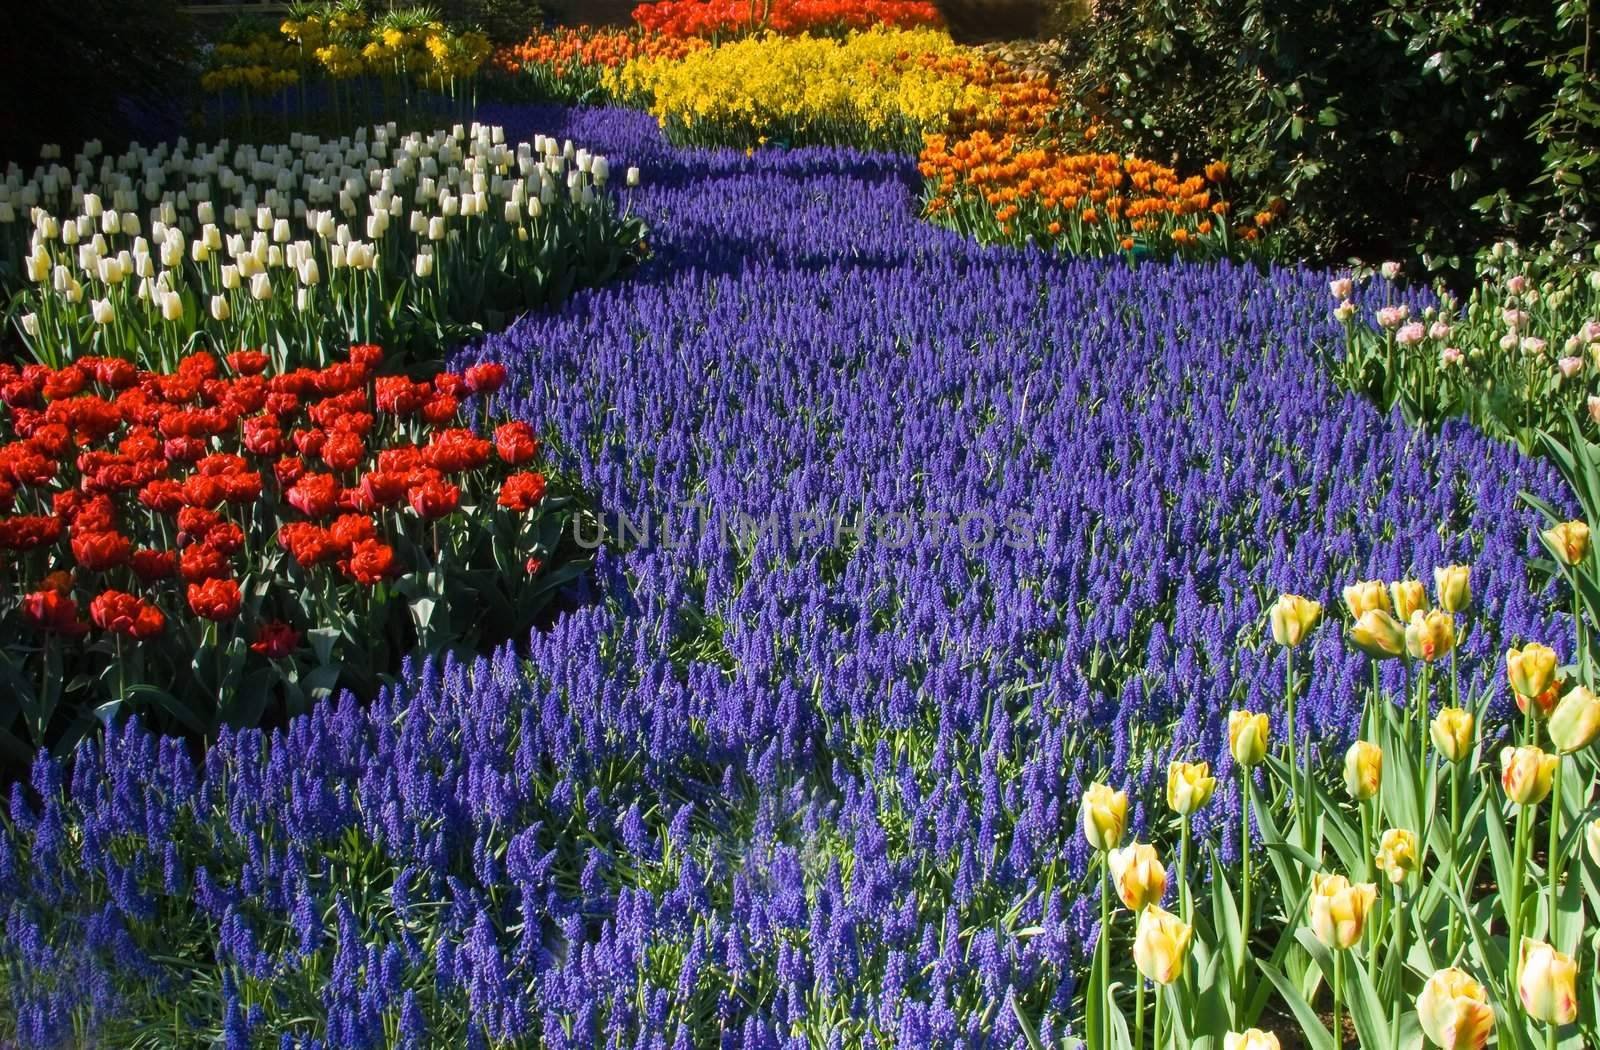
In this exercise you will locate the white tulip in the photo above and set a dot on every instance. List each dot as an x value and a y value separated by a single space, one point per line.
230 277
436 228
425 265
261 287
30 324
309 274
171 306
220 310
111 271
102 311
280 231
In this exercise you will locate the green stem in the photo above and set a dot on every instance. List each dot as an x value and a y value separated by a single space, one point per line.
1454 940
1244 872
1187 902
1294 763
1514 920
1103 985
1553 865
1338 995
1138 1011
1156 1028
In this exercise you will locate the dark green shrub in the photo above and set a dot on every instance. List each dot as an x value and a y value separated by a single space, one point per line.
1391 127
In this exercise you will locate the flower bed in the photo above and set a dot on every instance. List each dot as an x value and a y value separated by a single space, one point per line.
711 19
413 241
221 543
798 788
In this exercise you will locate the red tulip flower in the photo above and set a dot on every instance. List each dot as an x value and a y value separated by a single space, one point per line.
522 492
275 640
516 443
371 561
215 599
128 615
101 551
434 499
50 610
485 378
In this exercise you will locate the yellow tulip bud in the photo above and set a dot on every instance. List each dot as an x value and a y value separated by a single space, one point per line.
1531 669
1161 945
1452 586
1379 635
1526 774
1409 597
1137 874
1569 541
1454 1011
1591 838
1430 635
1189 786
1105 816
1547 983
1247 737
1452 733
1397 854
1363 770
1366 596
1576 721
1250 1039
1292 618
1338 909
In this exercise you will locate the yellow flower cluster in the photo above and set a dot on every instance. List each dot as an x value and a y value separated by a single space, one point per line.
884 87
263 64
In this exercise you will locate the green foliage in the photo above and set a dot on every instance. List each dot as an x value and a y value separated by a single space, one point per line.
1390 126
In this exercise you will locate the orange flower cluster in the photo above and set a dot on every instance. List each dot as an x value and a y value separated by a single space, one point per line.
707 18
1001 187
1021 104
568 50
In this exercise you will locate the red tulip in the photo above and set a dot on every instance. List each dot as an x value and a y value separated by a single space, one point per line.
485 378
51 610
516 443
118 612
275 640
522 492
434 499
101 551
371 561
215 599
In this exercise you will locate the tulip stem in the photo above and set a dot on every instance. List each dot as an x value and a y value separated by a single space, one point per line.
1514 920
1244 874
1553 864
1454 940
1103 985
1155 1034
1338 993
1138 1011
1183 880
1294 763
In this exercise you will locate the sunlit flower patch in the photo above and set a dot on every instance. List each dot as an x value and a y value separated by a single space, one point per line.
206 544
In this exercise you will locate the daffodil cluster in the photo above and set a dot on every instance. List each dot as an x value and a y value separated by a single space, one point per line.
882 87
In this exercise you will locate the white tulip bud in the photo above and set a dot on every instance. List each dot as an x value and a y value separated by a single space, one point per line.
171 306
92 206
309 274
600 168
436 228
110 271
30 324
424 265
280 231
220 311
261 287
110 222
263 218
205 212
230 277
102 311
130 223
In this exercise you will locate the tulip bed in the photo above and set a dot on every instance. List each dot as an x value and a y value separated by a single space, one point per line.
221 544
413 241
915 541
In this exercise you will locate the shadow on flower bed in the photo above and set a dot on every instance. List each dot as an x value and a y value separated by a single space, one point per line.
224 545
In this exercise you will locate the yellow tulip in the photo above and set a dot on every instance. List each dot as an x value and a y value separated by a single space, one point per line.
1454 1011
1189 786
1430 635
1366 596
1531 669
1137 873
1292 618
1452 733
1338 909
1250 1039
1526 774
1397 854
1591 838
1409 597
1105 816
1547 983
1569 541
1576 721
1379 635
1161 945
1363 770
1452 586
1247 737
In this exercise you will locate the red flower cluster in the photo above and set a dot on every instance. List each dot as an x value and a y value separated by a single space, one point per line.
147 499
708 18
